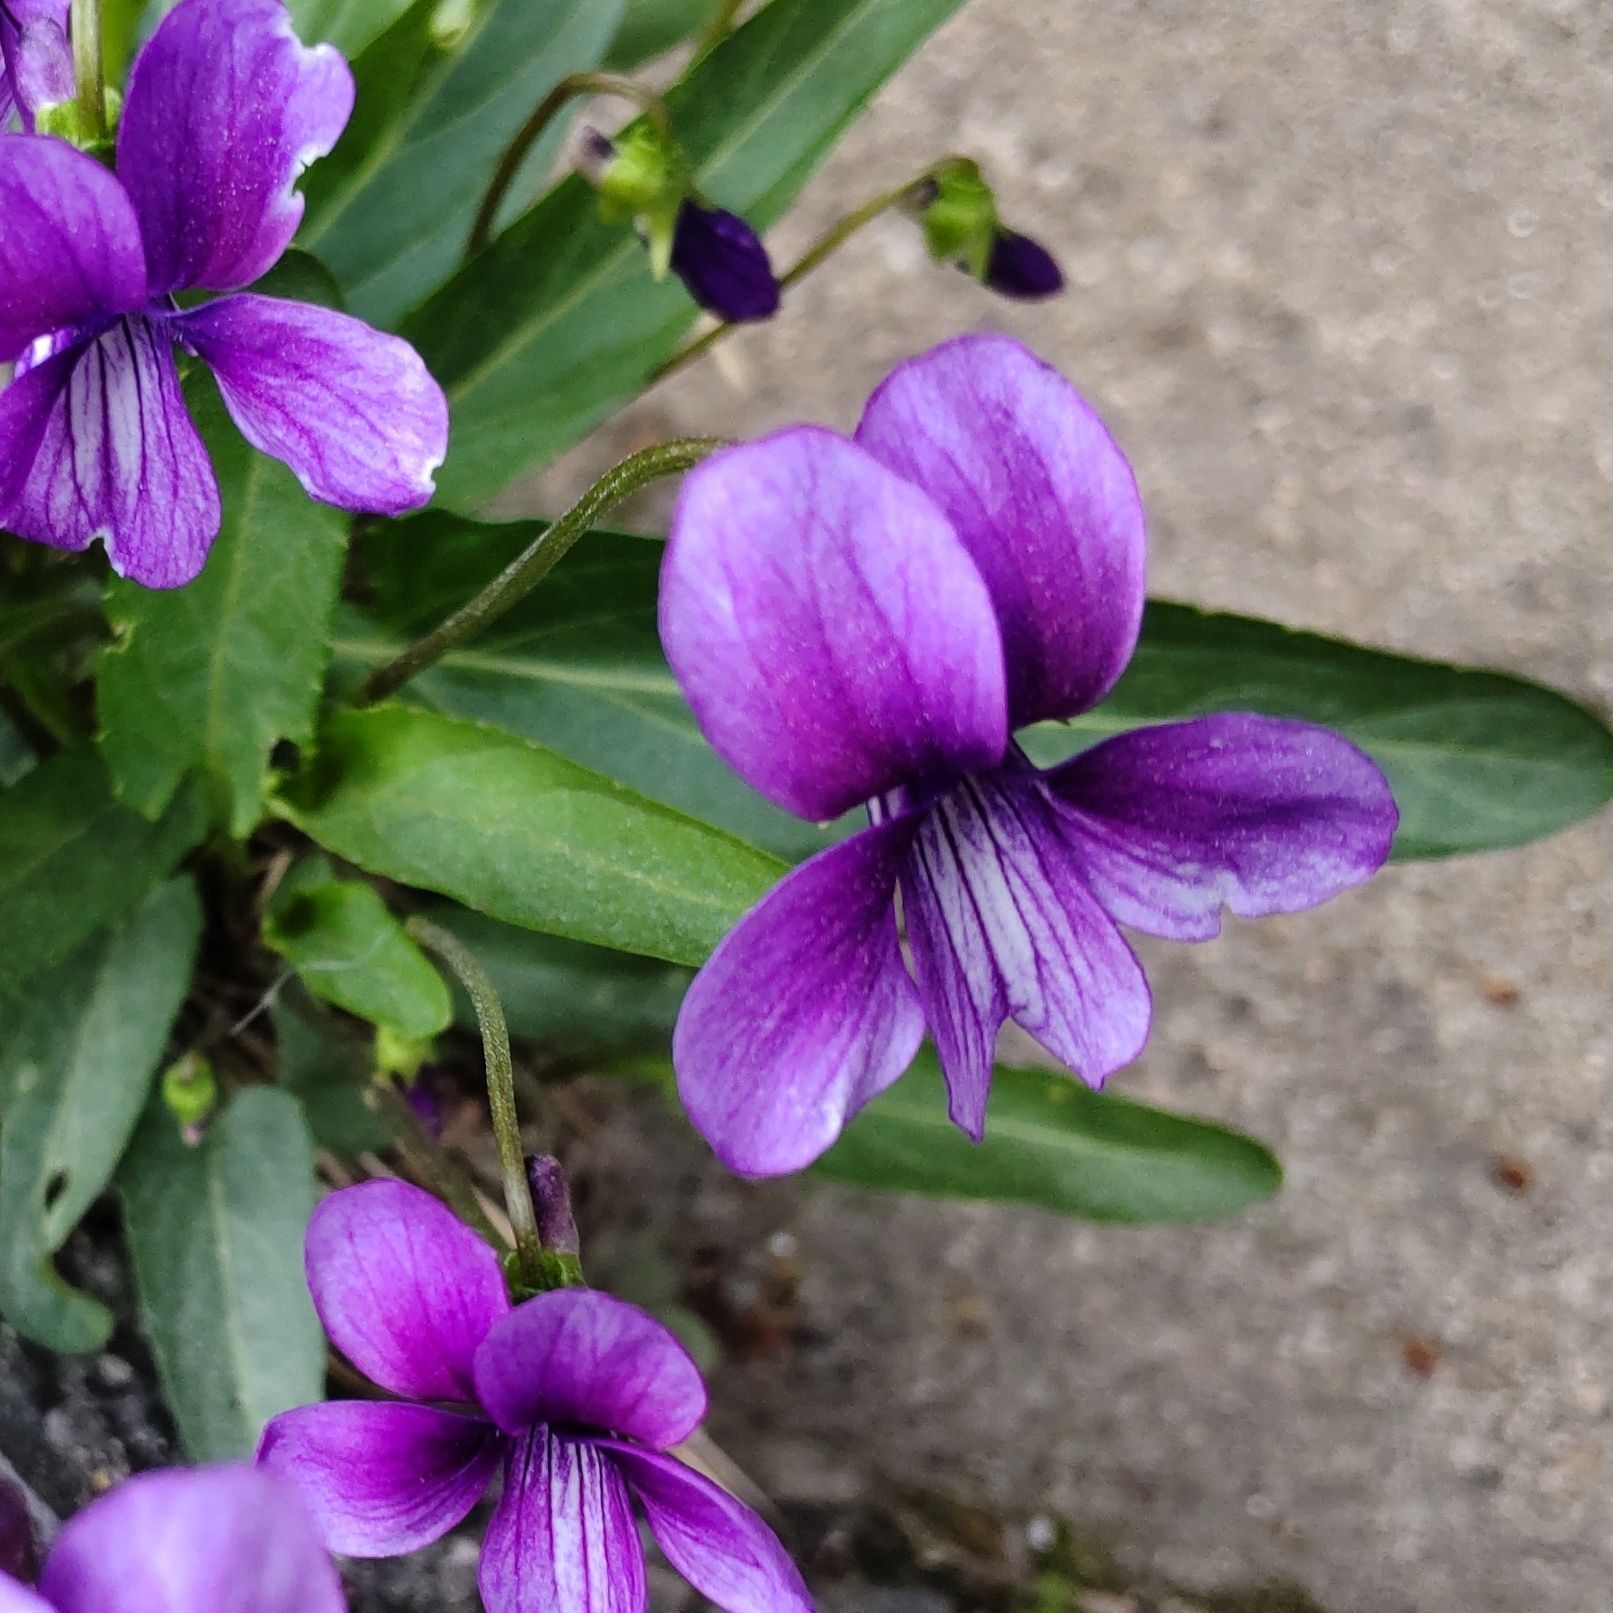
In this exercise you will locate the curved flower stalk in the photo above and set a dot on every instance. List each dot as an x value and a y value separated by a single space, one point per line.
866 623
578 1395
187 1540
95 438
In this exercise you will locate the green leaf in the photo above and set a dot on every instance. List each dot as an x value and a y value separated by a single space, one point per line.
559 320
79 1057
1056 1144
1477 760
582 1001
390 208
215 1233
576 666
522 834
650 28
73 858
204 679
348 948
322 1068
349 25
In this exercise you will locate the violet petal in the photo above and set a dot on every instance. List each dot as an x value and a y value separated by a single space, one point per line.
827 627
1042 498
16 1598
70 251
1002 924
405 1289
1257 813
716 1542
352 411
579 1357
43 65
563 1538
225 109
803 1013
382 1478
193 1540
96 442
1021 268
721 261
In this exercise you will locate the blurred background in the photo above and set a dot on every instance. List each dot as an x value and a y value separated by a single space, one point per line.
1339 280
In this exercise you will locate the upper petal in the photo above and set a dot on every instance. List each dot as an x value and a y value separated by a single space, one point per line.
70 249
193 1540
562 1539
829 631
1259 813
225 109
716 1542
382 1478
803 1013
353 412
97 443
1002 924
405 1289
41 61
1042 497
580 1358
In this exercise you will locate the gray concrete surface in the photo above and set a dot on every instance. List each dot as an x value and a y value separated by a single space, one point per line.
1340 279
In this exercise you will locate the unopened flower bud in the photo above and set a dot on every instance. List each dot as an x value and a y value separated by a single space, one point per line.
1022 268
551 1198
721 261
190 1092
960 216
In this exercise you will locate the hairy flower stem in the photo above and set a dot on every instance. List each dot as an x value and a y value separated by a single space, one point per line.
825 247
530 132
529 568
500 1091
88 71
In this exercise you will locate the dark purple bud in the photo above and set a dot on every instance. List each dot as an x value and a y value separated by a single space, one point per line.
17 1556
422 1098
551 1198
1022 268
722 261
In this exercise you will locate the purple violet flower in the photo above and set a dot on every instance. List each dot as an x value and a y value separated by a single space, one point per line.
868 622
95 439
187 1540
1021 268
721 261
577 1394
36 59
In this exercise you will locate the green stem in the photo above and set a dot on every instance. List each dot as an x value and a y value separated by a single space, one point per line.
88 71
529 568
717 30
530 132
824 247
500 1090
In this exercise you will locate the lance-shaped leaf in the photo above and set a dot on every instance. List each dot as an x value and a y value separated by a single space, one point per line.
79 1054
202 680
1477 760
215 1233
520 833
73 858
390 208
349 25
649 28
541 335
348 948
1056 1144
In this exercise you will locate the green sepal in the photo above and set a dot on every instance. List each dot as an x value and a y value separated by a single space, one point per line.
960 222
556 1269
645 180
64 120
